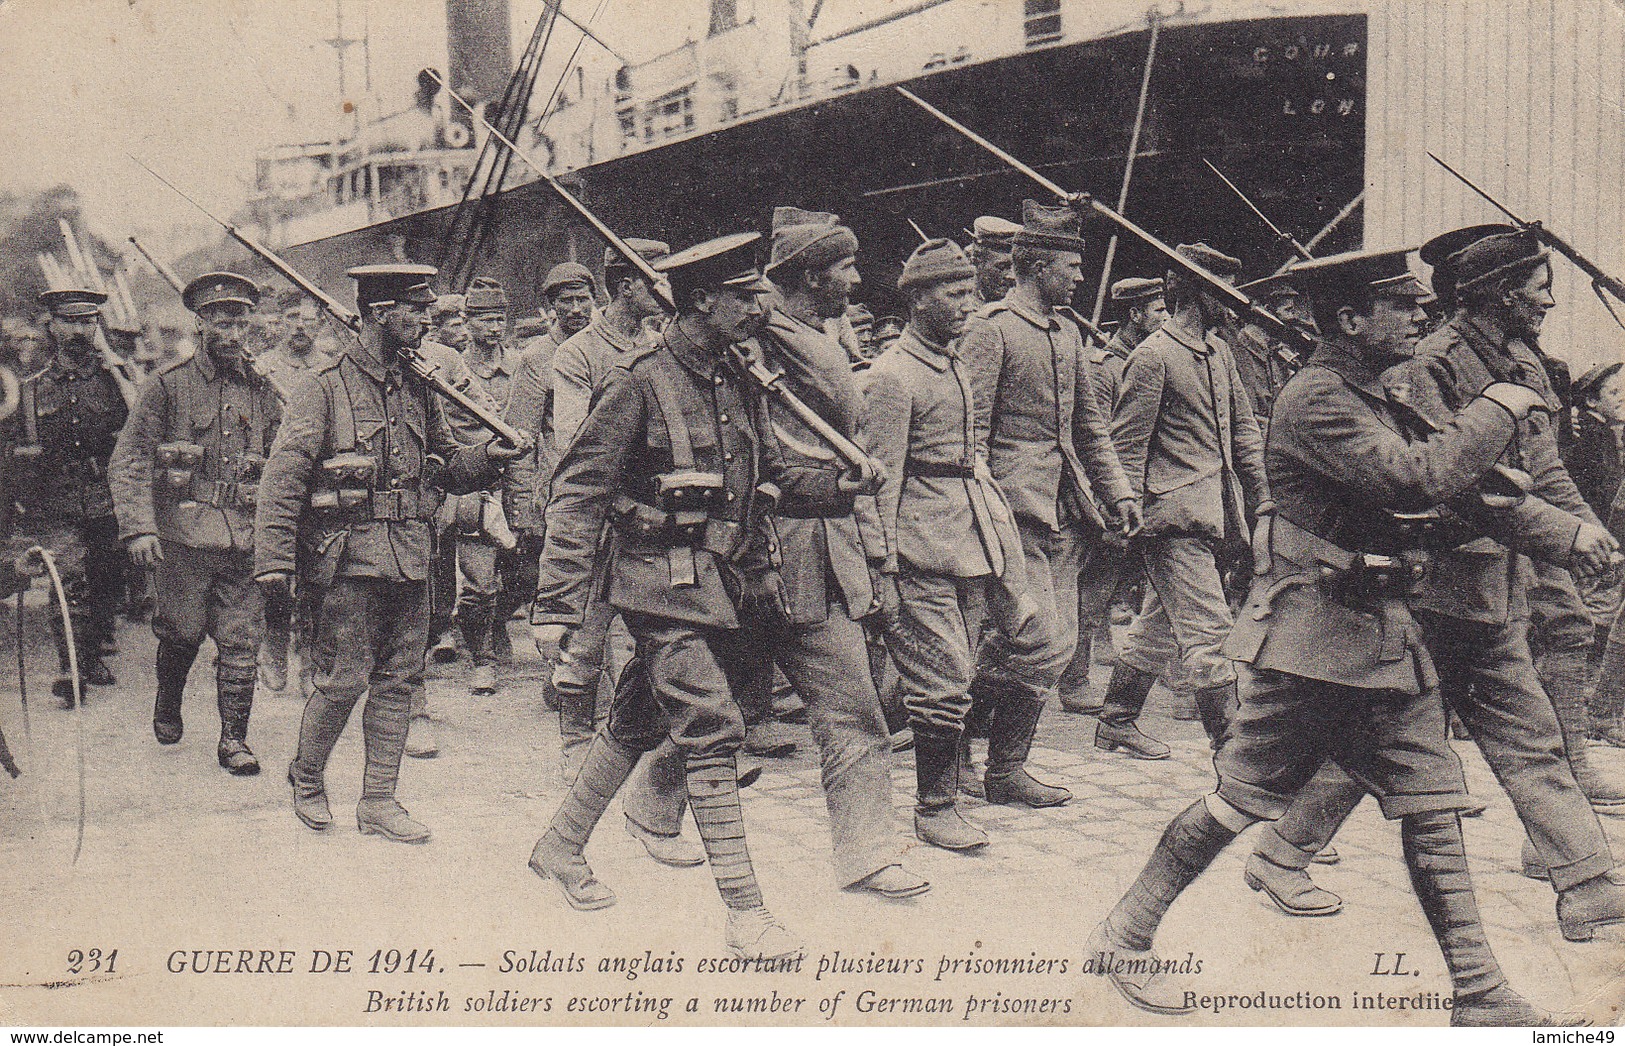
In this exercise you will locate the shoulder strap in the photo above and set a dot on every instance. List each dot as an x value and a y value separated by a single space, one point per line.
682 445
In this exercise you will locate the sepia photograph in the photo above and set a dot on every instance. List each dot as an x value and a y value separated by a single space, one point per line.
812 514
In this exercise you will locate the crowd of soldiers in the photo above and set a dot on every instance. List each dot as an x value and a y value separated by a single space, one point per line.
733 482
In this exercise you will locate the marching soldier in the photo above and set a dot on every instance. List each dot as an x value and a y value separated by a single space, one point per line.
951 544
819 643
992 240
61 438
1187 438
1475 605
677 456
1051 453
1143 311
498 575
1325 684
348 499
184 477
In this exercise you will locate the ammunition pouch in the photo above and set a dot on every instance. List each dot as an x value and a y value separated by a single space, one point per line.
687 497
644 526
1371 578
177 467
346 483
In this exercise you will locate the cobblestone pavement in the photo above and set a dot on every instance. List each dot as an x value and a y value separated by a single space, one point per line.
179 856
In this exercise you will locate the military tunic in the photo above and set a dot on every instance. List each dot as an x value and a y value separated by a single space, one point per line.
61 439
205 583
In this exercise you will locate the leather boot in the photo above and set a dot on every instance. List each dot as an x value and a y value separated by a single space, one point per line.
273 660
936 770
1118 727
1582 909
1289 889
174 664
1009 742
475 624
558 854
1436 858
319 731
235 695
713 798
309 801
1078 695
501 641
970 777
388 818
1566 676
1215 705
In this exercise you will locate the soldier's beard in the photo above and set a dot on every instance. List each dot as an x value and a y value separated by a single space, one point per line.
300 343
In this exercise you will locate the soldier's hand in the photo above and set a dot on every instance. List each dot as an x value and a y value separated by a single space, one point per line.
145 551
1518 400
1594 550
1262 530
887 595
500 452
276 585
1130 519
862 481
549 640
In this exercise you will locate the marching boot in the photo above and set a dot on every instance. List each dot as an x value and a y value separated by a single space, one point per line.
309 800
558 854
1289 888
235 695
1119 727
936 770
1581 909
1215 705
713 795
385 720
273 660
1567 676
1078 695
501 641
174 664
475 623
970 778
319 729
1188 845
1009 742
1436 858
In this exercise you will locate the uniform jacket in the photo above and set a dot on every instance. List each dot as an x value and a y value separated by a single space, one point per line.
1263 372
530 409
1048 443
922 419
1187 437
492 375
449 362
626 443
73 415
357 404
233 415
1482 580
819 543
1337 457
1107 375
286 371
1597 461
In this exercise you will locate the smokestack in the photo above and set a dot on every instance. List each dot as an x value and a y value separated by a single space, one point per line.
479 48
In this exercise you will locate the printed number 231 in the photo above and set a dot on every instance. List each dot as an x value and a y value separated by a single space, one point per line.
92 961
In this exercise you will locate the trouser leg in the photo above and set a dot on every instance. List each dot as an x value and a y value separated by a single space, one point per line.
344 657
827 664
1316 814
477 566
400 612
657 793
1488 677
236 617
1436 858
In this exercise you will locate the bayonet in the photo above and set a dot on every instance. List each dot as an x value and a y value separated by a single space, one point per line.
1280 234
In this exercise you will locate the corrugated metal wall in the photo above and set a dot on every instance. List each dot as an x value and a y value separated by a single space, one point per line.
1526 97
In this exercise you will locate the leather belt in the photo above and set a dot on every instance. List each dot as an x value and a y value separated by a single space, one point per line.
401 506
938 469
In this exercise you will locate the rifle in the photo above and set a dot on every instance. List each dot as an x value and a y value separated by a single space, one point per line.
415 361
159 267
1236 299
770 380
1280 234
1601 282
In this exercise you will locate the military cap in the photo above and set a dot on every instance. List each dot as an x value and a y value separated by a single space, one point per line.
649 250
935 261
446 306
1382 272
217 288
726 261
1494 256
1215 261
73 303
1134 288
1590 383
1275 286
566 274
808 240
392 283
485 295
994 234
889 327
858 315
1049 228
1437 251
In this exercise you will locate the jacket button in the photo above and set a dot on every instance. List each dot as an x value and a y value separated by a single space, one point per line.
723 418
730 495
717 378
728 456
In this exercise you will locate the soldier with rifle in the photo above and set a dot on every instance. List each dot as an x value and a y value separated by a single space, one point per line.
61 438
184 476
1347 545
348 498
678 457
